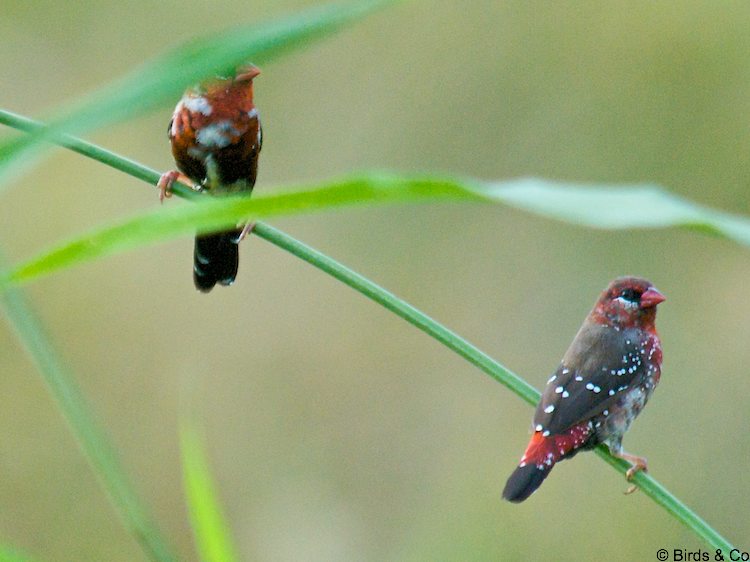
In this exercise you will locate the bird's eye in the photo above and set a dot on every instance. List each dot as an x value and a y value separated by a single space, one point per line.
630 295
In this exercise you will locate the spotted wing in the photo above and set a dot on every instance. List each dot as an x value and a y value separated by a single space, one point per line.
600 364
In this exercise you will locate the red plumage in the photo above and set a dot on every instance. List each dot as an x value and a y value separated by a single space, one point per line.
603 382
216 139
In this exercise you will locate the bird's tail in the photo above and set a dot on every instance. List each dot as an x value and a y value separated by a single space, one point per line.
215 259
535 465
541 455
524 481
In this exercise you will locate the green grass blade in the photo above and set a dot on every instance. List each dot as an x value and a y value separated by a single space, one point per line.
602 207
217 213
736 229
162 80
92 440
620 207
212 536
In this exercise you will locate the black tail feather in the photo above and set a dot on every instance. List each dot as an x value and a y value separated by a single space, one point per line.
215 259
524 481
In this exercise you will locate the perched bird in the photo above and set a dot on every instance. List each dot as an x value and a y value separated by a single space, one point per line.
216 139
602 384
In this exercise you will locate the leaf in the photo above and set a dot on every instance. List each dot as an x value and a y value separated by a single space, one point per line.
605 207
612 208
163 79
211 532
218 213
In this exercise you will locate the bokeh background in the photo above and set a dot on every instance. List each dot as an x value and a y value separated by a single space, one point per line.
338 432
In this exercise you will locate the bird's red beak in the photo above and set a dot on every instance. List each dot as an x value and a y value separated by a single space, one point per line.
651 297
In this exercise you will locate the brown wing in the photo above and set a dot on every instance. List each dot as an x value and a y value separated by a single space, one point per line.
600 364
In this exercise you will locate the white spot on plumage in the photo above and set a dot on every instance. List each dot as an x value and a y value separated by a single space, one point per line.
565 371
216 135
579 378
198 105
252 113
565 394
559 390
549 409
611 392
545 433
597 389
539 427
552 379
589 386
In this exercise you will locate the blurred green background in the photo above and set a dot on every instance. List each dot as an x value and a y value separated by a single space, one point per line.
338 432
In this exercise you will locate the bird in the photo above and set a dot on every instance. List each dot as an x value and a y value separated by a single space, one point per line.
603 382
216 137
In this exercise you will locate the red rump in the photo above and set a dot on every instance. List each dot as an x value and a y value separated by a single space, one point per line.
546 451
539 458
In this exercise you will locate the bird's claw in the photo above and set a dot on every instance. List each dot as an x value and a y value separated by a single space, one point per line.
166 181
640 465
247 229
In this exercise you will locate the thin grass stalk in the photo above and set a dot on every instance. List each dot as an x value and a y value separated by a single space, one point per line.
649 486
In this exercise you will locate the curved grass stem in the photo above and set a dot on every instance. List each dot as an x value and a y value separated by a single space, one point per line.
371 290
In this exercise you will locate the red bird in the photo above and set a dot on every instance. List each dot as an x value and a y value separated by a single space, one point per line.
602 384
216 139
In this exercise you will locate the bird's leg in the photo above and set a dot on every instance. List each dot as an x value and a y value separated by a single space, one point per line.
639 463
248 228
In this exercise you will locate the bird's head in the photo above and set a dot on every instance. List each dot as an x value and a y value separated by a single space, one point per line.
232 91
628 302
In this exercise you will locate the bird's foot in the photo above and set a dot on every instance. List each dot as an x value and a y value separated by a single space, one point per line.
166 181
639 464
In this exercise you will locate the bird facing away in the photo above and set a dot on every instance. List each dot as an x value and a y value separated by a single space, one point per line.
603 382
216 139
